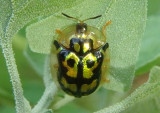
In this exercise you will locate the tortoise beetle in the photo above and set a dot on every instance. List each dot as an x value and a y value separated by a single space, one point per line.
80 51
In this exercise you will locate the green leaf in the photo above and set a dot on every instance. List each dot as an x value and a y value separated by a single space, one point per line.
6 97
18 13
149 105
14 15
7 109
72 108
48 111
0 32
149 53
124 34
152 103
5 12
63 101
36 60
41 33
49 92
153 7
146 91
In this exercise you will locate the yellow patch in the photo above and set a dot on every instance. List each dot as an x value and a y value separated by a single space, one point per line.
86 87
82 35
86 47
88 72
59 49
72 71
93 84
76 47
102 51
73 87
64 82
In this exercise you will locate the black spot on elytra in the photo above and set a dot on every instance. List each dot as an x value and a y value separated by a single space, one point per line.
90 63
70 62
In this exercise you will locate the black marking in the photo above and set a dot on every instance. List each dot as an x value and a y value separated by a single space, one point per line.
81 21
57 45
63 54
72 42
71 62
81 27
79 80
105 47
81 44
100 58
66 15
90 63
95 17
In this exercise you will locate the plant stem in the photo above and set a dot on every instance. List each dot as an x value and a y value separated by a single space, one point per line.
6 43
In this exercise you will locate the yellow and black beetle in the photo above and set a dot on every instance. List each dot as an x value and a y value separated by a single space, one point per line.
81 50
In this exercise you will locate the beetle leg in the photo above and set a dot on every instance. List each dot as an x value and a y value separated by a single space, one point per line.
55 66
58 31
107 60
105 80
57 45
105 69
105 47
104 28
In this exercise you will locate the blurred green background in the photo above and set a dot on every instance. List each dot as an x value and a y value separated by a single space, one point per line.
33 84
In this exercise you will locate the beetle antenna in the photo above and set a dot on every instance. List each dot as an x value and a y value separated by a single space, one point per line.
70 17
81 21
92 18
